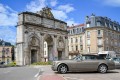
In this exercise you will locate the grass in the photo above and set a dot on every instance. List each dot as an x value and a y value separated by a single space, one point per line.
42 63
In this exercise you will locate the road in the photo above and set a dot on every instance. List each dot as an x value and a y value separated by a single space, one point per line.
31 73
19 73
111 75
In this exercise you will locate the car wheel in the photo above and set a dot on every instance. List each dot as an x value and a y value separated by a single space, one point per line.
62 69
102 68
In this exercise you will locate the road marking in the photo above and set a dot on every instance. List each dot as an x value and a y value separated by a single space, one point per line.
38 73
7 72
73 78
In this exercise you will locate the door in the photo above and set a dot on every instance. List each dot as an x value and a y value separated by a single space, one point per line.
59 55
33 56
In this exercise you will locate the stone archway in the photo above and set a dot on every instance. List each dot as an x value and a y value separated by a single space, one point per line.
49 39
35 28
34 49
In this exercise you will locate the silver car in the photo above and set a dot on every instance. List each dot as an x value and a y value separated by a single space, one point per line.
83 63
117 62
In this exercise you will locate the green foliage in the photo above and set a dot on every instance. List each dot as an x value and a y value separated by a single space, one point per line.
12 64
42 63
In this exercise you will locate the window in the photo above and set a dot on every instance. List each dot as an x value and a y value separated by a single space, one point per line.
81 47
72 48
76 40
71 40
88 25
88 33
99 41
44 45
78 30
98 24
80 38
99 32
99 49
107 49
76 47
44 52
88 49
88 41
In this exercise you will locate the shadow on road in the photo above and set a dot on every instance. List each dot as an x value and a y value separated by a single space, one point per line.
95 72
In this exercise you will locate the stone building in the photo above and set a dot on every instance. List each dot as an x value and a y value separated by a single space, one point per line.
101 34
5 52
33 30
76 40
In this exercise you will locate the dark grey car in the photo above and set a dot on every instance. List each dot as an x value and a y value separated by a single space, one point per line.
83 63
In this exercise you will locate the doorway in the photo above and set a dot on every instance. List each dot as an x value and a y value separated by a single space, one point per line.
33 56
59 55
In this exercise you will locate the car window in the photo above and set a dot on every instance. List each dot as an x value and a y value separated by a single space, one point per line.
77 58
89 57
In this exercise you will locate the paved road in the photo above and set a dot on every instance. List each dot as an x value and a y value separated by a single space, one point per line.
111 75
18 73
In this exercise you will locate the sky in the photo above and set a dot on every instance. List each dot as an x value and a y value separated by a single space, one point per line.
70 11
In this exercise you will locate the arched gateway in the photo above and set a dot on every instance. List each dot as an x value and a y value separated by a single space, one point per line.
35 28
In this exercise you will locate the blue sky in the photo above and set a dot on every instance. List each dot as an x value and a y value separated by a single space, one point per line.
70 11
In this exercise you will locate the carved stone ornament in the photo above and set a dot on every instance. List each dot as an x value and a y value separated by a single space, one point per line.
33 41
46 12
60 44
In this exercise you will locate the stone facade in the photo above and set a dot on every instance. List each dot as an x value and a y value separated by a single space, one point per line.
33 30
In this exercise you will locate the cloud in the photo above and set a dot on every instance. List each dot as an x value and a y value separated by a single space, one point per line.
59 14
8 21
8 34
36 5
71 21
114 3
67 8
8 17
53 3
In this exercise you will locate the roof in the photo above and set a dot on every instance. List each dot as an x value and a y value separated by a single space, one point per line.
4 43
79 25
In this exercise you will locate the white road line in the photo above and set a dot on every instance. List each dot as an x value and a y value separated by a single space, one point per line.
7 72
38 73
74 78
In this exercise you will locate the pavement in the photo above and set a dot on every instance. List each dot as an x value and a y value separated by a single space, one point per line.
51 77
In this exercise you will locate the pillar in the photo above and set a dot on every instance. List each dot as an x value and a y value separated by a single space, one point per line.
55 52
41 55
66 48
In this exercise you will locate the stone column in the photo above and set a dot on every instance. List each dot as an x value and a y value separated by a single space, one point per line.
26 60
42 47
55 52
66 47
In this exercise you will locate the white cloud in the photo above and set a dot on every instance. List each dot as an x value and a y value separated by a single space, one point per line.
59 14
8 34
8 17
67 8
114 3
53 3
8 21
36 5
71 21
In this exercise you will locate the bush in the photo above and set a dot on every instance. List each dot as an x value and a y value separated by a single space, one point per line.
12 64
42 63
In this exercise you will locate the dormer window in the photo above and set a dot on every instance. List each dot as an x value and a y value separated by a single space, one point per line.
88 25
98 23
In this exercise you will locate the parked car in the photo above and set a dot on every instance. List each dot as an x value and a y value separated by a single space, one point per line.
117 62
83 63
2 63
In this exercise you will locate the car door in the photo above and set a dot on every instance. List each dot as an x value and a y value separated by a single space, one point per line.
87 65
